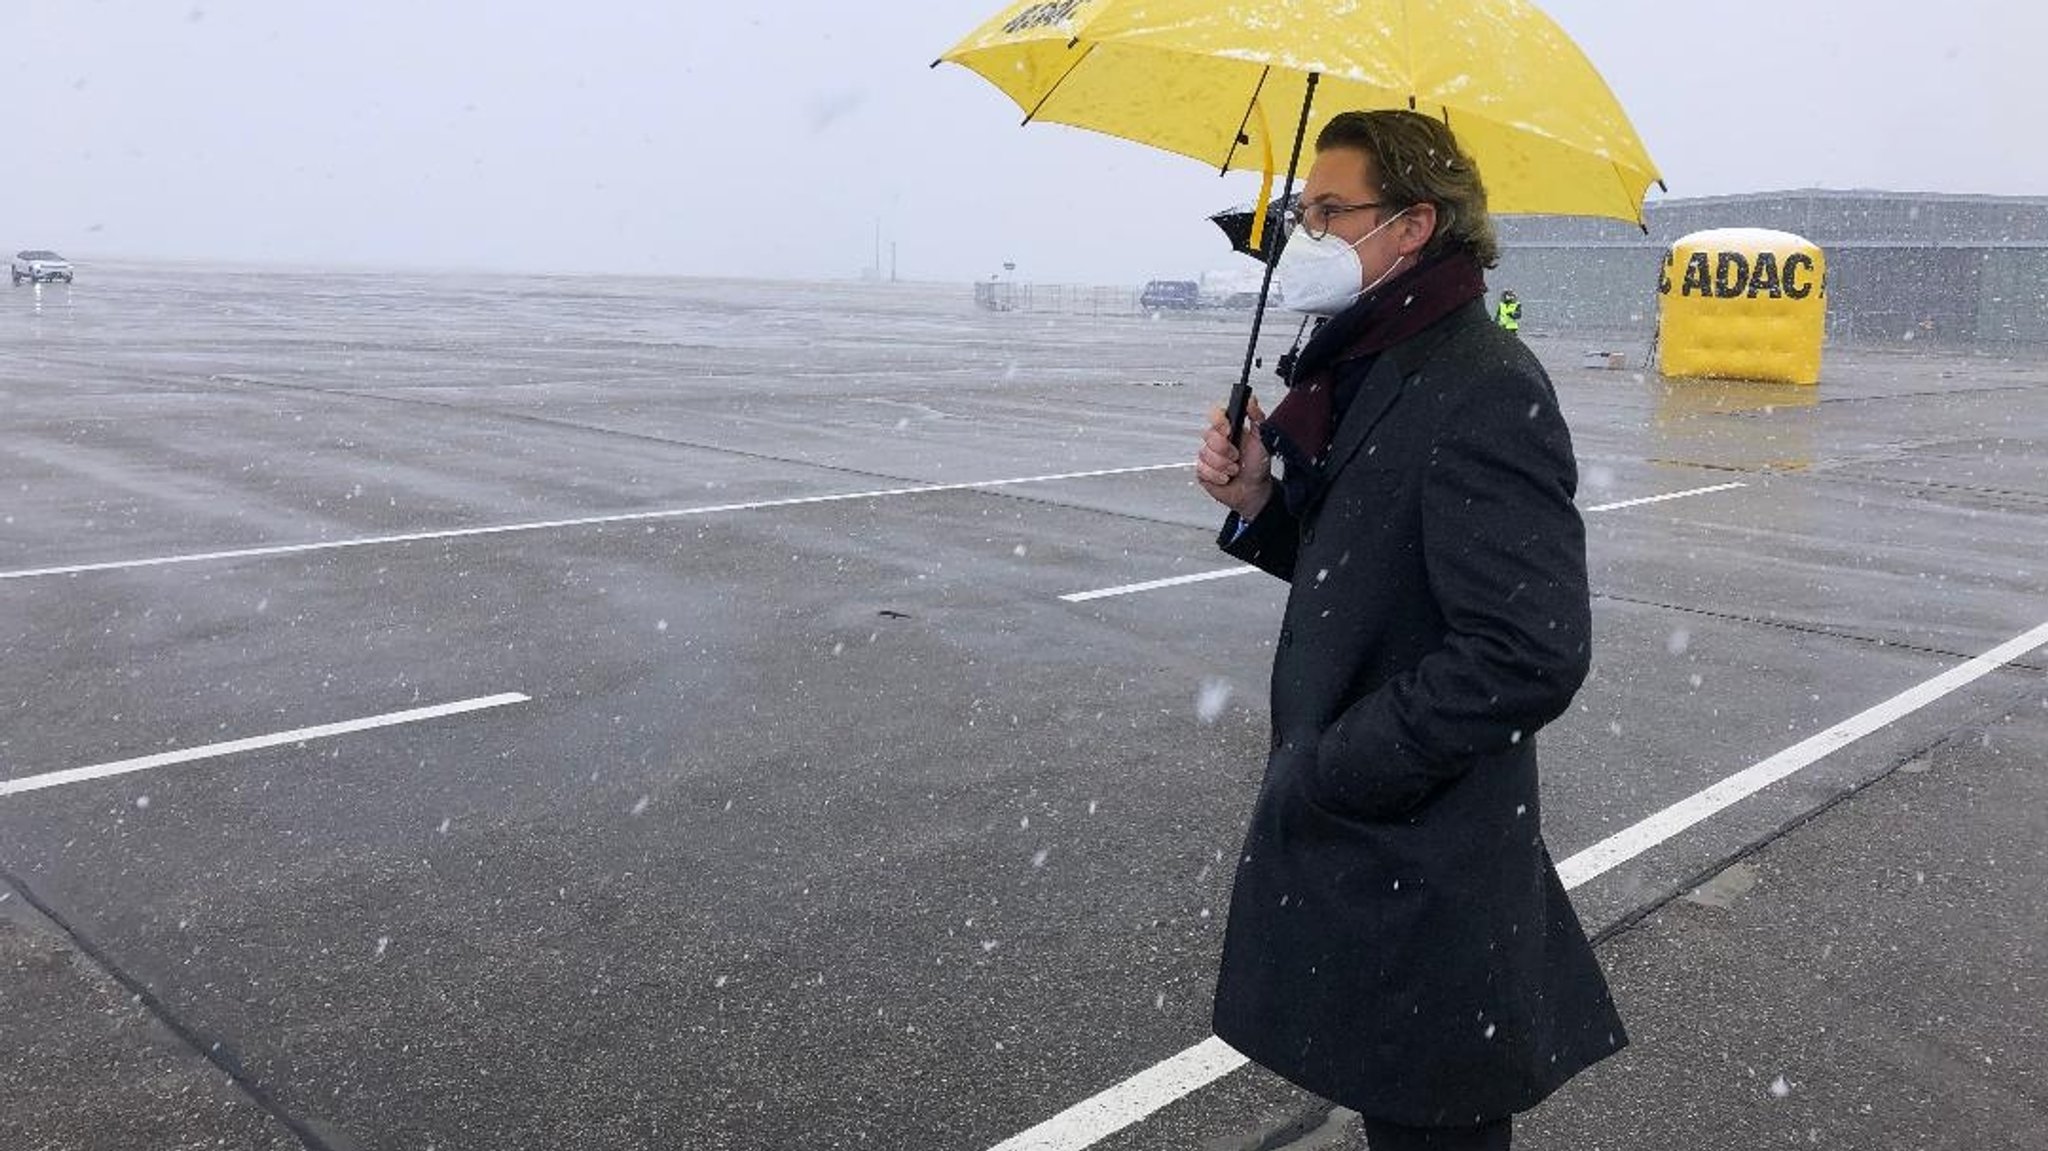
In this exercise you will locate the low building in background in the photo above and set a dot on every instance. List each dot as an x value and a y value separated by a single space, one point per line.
1901 266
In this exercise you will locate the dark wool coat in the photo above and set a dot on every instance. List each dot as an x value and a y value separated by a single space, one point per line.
1399 941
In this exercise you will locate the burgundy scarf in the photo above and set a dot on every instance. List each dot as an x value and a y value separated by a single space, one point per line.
1303 427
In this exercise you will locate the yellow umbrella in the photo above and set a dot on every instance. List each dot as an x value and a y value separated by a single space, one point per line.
1221 81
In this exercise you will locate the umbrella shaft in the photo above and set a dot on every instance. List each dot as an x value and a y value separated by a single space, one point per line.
1241 395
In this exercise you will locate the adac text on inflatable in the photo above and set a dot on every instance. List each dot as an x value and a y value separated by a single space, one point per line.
1743 304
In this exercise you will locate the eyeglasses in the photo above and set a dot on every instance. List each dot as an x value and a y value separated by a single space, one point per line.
1315 218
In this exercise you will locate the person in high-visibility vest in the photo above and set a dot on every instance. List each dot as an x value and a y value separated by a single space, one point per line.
1510 314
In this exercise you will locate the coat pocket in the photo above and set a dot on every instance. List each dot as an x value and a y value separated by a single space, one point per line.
1370 776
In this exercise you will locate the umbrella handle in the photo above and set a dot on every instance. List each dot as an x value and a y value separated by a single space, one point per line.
1240 399
1241 395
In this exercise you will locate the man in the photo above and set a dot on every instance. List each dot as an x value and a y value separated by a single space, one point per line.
1399 941
1510 315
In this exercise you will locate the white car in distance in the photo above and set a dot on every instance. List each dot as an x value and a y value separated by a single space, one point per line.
36 266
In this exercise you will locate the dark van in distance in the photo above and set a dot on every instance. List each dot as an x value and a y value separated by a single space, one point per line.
1170 295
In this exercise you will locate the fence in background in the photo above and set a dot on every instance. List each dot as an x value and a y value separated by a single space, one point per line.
1056 299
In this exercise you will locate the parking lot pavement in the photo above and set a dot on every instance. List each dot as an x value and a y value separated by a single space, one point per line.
820 817
86 1066
1871 980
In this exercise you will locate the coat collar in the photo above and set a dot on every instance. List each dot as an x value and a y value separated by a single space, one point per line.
1383 386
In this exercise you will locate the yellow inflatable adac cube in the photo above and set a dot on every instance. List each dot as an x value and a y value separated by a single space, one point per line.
1743 304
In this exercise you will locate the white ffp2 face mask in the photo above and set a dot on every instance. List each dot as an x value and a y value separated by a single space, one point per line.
1322 277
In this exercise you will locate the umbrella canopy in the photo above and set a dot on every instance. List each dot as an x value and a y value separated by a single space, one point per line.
1217 79
1220 82
1237 227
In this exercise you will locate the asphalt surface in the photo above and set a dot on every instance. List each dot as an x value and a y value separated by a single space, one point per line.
1872 980
829 824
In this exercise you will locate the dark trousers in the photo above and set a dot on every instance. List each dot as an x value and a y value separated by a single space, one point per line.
1384 1136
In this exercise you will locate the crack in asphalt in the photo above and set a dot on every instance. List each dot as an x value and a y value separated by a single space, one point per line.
315 1135
1819 631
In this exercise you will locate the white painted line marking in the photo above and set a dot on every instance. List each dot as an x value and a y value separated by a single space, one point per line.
213 750
1177 581
1094 1119
1155 585
1103 1115
581 521
1664 498
1626 844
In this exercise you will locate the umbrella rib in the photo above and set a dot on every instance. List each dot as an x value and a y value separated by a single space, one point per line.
1040 106
1408 43
1257 90
1629 196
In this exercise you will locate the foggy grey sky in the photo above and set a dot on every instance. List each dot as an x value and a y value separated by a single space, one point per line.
767 139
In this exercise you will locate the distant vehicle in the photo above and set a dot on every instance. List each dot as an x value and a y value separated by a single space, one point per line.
1235 288
1249 300
1170 295
40 267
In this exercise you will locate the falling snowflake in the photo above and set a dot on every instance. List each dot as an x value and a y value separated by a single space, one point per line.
641 806
1209 703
